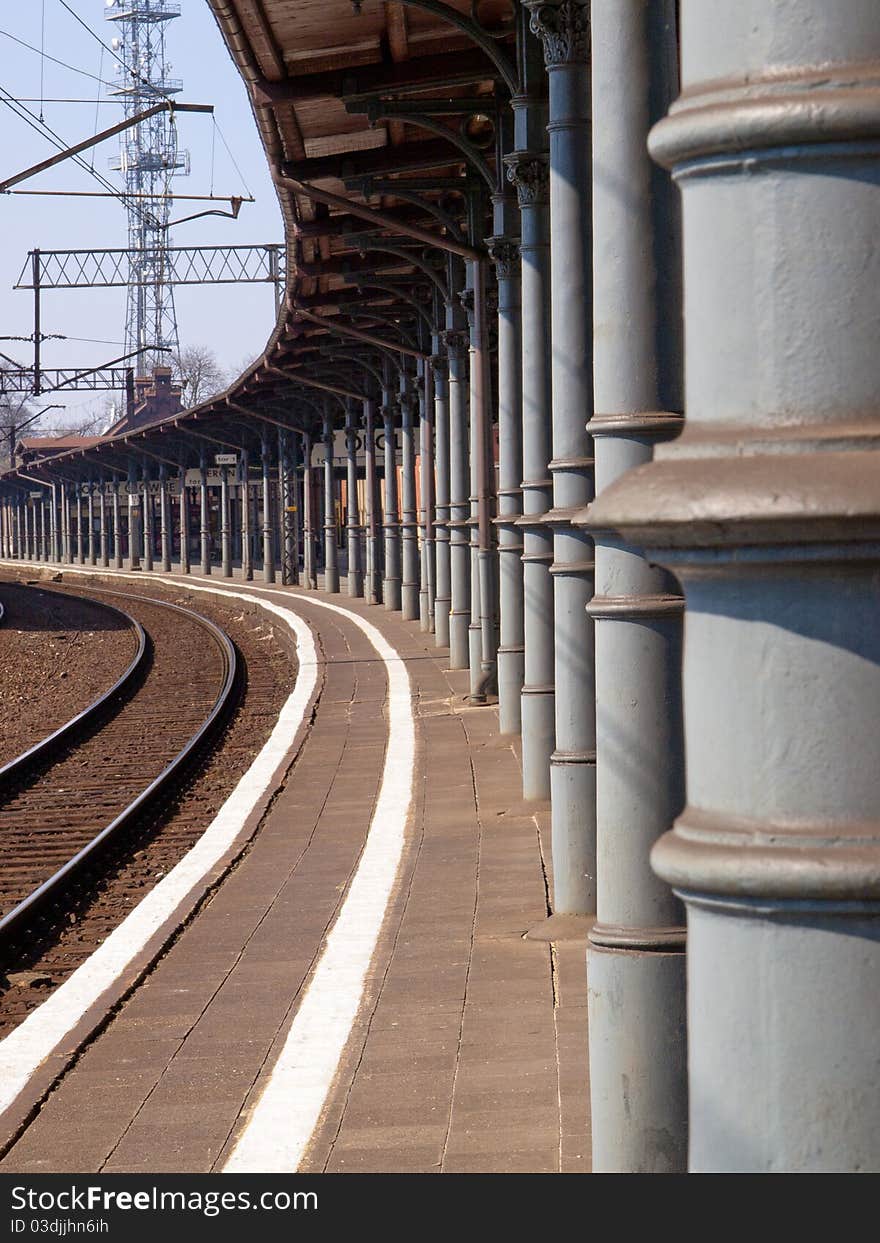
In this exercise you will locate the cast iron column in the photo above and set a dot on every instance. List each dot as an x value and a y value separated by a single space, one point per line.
352 515
268 542
148 520
135 527
511 652
309 571
638 1070
564 30
459 507
204 516
391 586
164 521
183 502
373 584
247 559
442 589
103 547
89 541
529 171
767 510
331 561
225 525
427 509
409 587
117 525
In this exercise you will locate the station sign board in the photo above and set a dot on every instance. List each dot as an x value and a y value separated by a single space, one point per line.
225 459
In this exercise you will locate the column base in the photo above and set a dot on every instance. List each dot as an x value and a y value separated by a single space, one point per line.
459 656
391 594
355 585
331 581
538 712
409 601
477 681
166 566
269 576
573 831
638 1060
511 675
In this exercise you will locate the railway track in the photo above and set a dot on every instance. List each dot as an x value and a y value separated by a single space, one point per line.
77 792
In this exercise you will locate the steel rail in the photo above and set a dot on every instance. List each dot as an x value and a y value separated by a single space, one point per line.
13 769
50 888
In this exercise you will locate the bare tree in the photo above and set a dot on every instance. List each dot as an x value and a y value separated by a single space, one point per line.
199 374
16 414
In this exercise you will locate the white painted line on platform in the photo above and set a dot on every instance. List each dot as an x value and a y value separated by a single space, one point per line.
282 1123
28 1046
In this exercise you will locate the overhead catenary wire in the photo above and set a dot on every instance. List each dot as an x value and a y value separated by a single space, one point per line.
54 59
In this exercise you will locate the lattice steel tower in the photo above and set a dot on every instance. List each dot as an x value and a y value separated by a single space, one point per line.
148 159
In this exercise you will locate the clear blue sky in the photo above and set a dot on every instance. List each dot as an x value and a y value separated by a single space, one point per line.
234 321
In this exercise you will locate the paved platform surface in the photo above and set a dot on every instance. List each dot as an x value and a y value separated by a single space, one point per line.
469 1052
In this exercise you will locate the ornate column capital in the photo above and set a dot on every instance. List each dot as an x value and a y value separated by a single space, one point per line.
563 28
504 253
456 342
439 362
466 299
529 171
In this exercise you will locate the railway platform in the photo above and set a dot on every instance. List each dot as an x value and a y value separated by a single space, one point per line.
357 994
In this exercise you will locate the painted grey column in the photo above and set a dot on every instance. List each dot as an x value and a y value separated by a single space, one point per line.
135 529
117 525
183 502
268 542
529 172
20 535
428 572
284 505
29 540
82 536
564 30
63 527
373 581
352 517
409 587
476 689
90 531
204 517
443 587
636 961
511 651
309 569
46 526
331 561
102 524
459 505
766 508
148 521
66 525
391 594
247 561
225 525
164 521
54 545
